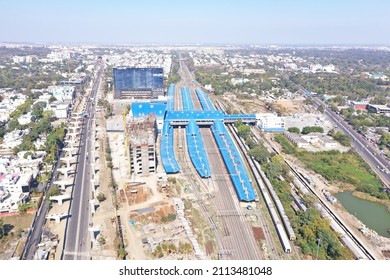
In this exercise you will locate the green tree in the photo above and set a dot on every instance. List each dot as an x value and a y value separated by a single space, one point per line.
308 101
273 170
379 100
385 139
23 207
52 99
101 197
342 139
294 130
260 154
244 131
53 192
13 124
101 240
309 129
339 100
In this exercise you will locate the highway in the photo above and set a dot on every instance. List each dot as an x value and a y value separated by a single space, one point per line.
359 144
35 234
77 243
365 149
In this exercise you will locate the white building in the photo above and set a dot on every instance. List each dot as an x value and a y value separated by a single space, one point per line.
16 177
270 122
62 93
329 68
61 110
315 68
25 119
238 81
22 59
13 139
321 139
297 140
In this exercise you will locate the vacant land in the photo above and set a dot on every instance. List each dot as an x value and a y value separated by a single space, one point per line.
15 226
347 170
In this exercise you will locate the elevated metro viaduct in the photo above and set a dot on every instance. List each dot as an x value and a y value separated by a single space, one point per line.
208 117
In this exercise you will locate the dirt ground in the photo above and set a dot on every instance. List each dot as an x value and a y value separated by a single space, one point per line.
10 243
105 214
255 105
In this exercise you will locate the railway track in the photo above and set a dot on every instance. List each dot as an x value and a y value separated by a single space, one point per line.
225 216
280 221
355 240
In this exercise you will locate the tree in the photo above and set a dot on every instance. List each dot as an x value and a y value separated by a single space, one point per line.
23 207
294 130
385 139
49 115
379 100
273 170
309 129
250 143
338 100
101 197
260 154
13 124
244 131
101 240
53 192
52 99
308 101
342 139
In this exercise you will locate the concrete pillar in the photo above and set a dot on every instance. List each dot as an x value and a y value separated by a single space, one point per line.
93 185
93 210
94 232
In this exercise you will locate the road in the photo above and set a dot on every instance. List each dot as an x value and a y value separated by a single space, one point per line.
365 149
77 243
36 232
359 144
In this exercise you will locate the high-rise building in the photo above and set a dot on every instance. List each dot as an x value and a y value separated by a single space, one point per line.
138 83
142 135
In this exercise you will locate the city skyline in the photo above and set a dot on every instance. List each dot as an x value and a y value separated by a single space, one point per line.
201 22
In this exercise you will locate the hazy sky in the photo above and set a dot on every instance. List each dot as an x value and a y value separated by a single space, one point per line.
200 21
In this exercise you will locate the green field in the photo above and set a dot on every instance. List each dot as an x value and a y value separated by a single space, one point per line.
346 169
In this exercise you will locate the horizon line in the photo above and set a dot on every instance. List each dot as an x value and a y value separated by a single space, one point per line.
200 44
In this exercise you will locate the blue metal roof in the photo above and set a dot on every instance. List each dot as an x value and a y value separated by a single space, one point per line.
143 109
195 146
171 98
233 162
276 129
187 100
204 100
166 150
194 115
196 149
243 117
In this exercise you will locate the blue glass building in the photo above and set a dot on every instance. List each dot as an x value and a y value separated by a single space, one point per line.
138 83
